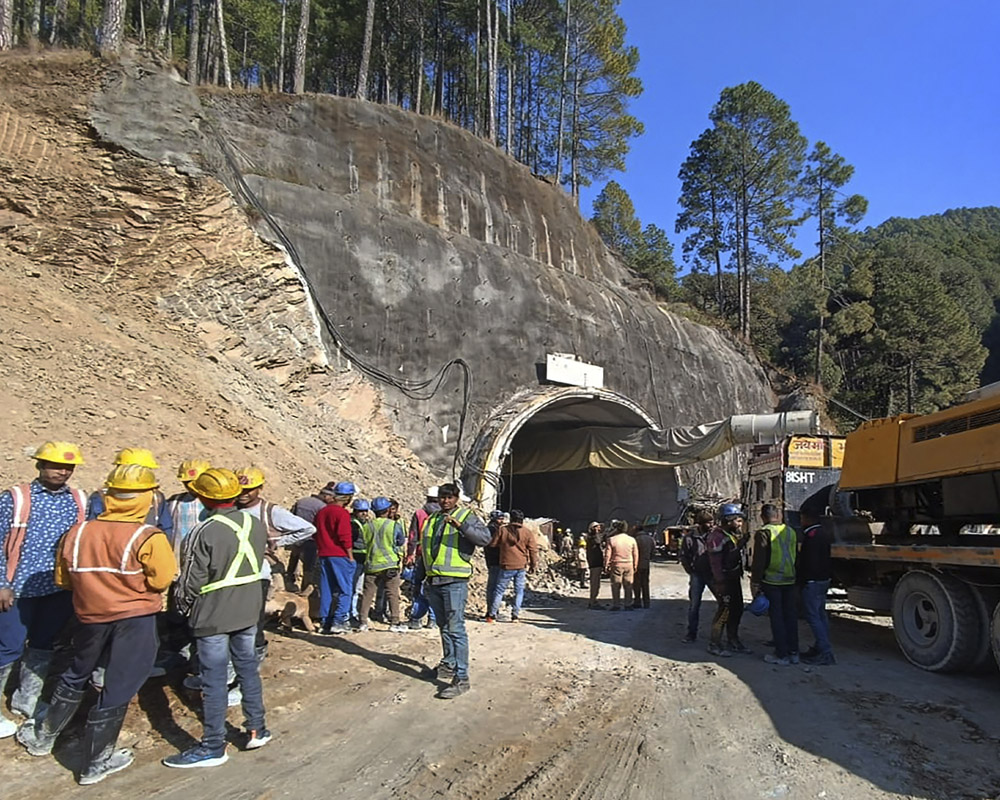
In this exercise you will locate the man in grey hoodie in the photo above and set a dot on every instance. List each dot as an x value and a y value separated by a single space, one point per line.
219 590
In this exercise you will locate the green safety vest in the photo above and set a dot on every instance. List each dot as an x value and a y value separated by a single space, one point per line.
244 553
380 544
439 544
781 568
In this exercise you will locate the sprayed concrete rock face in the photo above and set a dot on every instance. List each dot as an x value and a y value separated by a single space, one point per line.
424 244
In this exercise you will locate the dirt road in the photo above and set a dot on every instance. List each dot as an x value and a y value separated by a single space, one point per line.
572 703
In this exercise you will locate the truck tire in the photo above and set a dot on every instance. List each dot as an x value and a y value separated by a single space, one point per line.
986 602
995 634
936 621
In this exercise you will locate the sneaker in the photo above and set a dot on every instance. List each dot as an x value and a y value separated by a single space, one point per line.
398 628
192 682
458 687
718 650
416 624
258 738
793 657
339 630
819 659
362 628
197 756
689 638
783 661
442 672
235 697
739 647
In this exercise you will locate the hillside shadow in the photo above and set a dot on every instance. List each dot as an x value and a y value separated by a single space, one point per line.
874 714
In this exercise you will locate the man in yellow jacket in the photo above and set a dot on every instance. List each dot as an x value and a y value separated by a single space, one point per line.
117 567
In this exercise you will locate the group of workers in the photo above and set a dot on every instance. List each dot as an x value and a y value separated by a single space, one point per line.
134 574
785 566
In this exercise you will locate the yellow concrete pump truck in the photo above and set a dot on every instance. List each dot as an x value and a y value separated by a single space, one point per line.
914 520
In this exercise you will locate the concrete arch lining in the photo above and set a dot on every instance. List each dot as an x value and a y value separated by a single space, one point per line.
559 404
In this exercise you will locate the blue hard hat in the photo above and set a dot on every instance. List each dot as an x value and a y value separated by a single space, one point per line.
731 510
344 487
381 504
361 505
759 606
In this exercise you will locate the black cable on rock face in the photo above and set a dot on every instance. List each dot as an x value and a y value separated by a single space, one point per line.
414 389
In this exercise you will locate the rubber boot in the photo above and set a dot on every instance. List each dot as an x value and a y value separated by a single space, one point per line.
7 727
38 736
99 739
34 670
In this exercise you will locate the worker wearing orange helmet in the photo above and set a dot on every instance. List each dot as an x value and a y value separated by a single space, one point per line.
33 609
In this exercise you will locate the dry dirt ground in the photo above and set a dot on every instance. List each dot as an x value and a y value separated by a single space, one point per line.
572 703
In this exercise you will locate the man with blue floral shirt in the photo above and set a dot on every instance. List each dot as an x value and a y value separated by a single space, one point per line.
33 610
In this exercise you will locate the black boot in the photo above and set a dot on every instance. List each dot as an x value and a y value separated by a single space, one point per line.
38 736
99 739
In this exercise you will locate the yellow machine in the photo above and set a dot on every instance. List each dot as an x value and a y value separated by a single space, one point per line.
922 540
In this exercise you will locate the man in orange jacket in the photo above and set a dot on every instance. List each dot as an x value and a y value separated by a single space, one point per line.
117 567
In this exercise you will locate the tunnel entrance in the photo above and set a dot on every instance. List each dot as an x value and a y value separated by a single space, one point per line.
540 453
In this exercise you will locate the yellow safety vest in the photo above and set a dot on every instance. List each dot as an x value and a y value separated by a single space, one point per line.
244 553
781 566
439 544
380 544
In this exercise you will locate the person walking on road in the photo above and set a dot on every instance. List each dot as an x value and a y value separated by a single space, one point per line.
694 559
646 545
595 561
33 608
621 559
334 542
385 544
813 571
219 589
726 545
448 538
775 548
518 554
117 567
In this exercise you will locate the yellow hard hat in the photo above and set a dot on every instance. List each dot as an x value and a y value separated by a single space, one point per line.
136 455
59 453
191 469
216 484
250 477
131 478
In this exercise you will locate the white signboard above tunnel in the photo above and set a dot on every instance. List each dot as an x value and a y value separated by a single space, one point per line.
568 369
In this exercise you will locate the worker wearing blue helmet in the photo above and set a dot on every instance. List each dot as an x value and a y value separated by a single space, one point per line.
726 545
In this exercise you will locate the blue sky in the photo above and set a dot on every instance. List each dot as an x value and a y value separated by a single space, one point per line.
908 92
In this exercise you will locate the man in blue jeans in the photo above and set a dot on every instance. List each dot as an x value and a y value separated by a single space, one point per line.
814 571
219 590
448 538
694 559
518 553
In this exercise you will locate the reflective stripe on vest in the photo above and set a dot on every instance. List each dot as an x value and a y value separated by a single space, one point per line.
781 568
244 553
380 544
74 565
439 543
21 495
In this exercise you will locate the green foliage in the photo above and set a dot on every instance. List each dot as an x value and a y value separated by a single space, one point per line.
647 251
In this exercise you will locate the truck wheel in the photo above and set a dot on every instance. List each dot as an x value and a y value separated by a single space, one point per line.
995 634
935 620
986 603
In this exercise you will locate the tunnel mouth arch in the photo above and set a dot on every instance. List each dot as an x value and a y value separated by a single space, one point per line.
575 496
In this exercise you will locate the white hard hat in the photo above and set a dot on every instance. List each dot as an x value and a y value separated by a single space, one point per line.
432 491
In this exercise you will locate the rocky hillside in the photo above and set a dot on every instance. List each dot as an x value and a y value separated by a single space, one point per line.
138 308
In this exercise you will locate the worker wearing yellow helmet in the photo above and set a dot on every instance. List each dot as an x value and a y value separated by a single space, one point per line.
219 590
158 515
283 530
117 567
184 508
33 609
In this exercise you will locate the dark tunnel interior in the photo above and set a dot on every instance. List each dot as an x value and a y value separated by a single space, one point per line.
577 497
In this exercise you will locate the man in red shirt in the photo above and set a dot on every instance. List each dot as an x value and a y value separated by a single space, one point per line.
334 538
